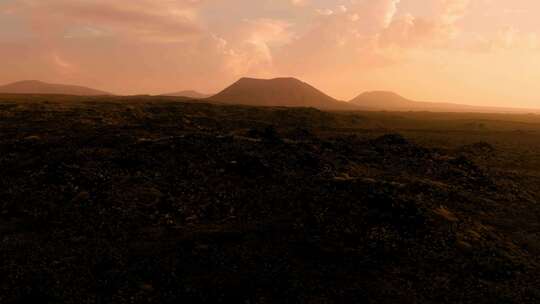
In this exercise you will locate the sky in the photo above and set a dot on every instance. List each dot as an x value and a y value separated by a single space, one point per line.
480 52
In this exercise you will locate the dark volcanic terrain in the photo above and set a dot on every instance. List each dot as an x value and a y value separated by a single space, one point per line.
148 200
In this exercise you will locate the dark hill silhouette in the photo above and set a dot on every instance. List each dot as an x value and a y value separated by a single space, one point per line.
39 87
390 101
188 94
382 100
288 92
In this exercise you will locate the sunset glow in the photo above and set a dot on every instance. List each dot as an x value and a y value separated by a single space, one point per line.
480 52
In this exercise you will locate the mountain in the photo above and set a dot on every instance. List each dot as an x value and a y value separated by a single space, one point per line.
38 87
390 101
287 92
383 100
188 94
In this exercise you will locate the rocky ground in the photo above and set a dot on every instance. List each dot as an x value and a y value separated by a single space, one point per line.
165 202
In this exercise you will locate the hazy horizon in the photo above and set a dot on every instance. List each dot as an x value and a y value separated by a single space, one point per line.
482 53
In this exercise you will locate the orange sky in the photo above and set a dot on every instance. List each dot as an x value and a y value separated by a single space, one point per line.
484 52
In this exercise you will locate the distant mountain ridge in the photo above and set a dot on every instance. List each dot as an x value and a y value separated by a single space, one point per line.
286 92
189 94
39 87
390 101
382 100
276 92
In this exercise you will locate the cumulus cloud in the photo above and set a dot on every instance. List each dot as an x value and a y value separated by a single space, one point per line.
505 38
299 2
249 48
410 31
452 10
378 24
137 19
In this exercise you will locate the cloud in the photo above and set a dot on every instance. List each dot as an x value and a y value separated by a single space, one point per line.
450 11
324 11
299 2
344 38
125 46
352 33
135 19
506 38
249 48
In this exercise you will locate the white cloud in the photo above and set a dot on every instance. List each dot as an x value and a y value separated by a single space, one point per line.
299 2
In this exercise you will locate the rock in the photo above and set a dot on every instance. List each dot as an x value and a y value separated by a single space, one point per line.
478 148
268 133
463 245
446 214
81 197
390 139
147 287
